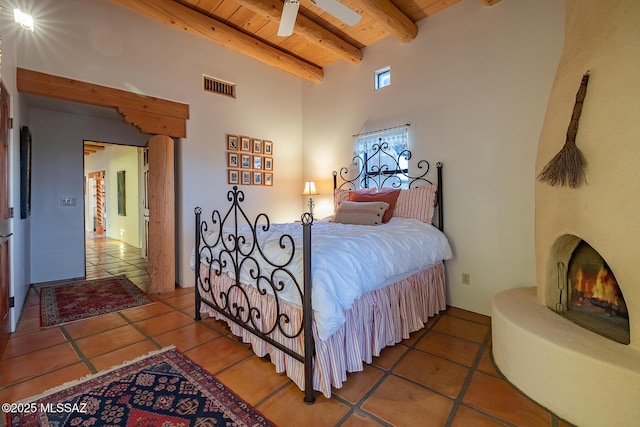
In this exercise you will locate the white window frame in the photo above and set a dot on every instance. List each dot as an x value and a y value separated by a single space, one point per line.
382 78
395 141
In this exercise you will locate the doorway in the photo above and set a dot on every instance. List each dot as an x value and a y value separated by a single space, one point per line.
114 199
154 116
96 193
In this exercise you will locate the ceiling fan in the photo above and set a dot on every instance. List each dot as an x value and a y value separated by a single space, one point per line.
334 7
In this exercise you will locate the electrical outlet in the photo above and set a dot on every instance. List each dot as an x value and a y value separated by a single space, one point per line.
466 279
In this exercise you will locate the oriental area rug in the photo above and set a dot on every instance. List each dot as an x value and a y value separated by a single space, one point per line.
79 299
163 389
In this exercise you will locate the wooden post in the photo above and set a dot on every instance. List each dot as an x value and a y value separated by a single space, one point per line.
162 241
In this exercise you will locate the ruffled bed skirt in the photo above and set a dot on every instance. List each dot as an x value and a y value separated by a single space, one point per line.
378 319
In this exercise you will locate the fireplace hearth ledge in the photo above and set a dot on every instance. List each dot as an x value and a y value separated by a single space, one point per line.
582 377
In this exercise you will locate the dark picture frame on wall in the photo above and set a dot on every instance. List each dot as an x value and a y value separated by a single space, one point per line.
25 172
122 194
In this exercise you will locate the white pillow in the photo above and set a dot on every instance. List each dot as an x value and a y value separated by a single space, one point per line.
340 195
360 213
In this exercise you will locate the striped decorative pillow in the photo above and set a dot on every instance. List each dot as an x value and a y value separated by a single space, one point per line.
416 203
360 213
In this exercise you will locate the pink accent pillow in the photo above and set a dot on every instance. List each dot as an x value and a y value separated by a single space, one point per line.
417 203
389 196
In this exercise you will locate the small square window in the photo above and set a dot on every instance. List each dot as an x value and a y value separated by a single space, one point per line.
382 78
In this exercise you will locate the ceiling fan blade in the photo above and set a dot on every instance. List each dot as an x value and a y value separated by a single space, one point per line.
340 11
288 18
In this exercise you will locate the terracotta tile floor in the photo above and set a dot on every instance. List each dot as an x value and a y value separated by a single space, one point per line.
442 375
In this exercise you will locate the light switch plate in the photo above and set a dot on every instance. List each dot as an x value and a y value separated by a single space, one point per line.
67 201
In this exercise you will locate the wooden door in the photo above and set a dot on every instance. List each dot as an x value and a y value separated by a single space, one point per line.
145 207
100 198
5 227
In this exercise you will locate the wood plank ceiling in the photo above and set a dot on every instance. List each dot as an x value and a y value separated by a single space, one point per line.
319 39
91 147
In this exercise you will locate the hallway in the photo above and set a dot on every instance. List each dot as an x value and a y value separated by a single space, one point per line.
110 257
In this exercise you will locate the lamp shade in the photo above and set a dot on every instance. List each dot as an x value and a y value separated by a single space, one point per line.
309 189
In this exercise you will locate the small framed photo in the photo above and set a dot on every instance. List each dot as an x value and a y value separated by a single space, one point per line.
246 178
246 161
234 176
268 148
257 162
232 143
257 146
268 179
232 159
268 163
245 144
257 178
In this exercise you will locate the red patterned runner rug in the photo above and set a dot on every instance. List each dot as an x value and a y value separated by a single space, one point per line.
80 299
164 388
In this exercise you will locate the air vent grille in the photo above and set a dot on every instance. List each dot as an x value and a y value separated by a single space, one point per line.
219 86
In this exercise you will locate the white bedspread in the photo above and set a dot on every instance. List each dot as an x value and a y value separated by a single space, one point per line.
351 260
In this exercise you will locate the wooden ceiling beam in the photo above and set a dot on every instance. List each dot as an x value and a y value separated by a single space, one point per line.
390 17
193 22
151 115
152 123
37 83
93 148
90 148
307 29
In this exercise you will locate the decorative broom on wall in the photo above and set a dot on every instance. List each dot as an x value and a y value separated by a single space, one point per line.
568 166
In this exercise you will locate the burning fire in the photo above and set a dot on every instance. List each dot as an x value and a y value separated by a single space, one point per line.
600 287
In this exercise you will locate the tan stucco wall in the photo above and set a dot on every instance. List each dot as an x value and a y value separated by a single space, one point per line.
603 37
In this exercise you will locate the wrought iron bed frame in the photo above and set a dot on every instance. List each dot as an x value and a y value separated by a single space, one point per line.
234 254
381 169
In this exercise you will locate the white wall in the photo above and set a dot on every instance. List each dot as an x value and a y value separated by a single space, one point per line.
57 232
474 86
102 43
113 159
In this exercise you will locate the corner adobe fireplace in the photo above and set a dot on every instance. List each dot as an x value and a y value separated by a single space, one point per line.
588 293
583 377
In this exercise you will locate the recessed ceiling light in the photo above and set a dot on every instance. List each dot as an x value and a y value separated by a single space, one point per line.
23 19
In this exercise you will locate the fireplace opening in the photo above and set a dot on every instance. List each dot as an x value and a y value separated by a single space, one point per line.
590 295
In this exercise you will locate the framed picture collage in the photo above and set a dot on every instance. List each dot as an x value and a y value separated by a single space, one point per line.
249 161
